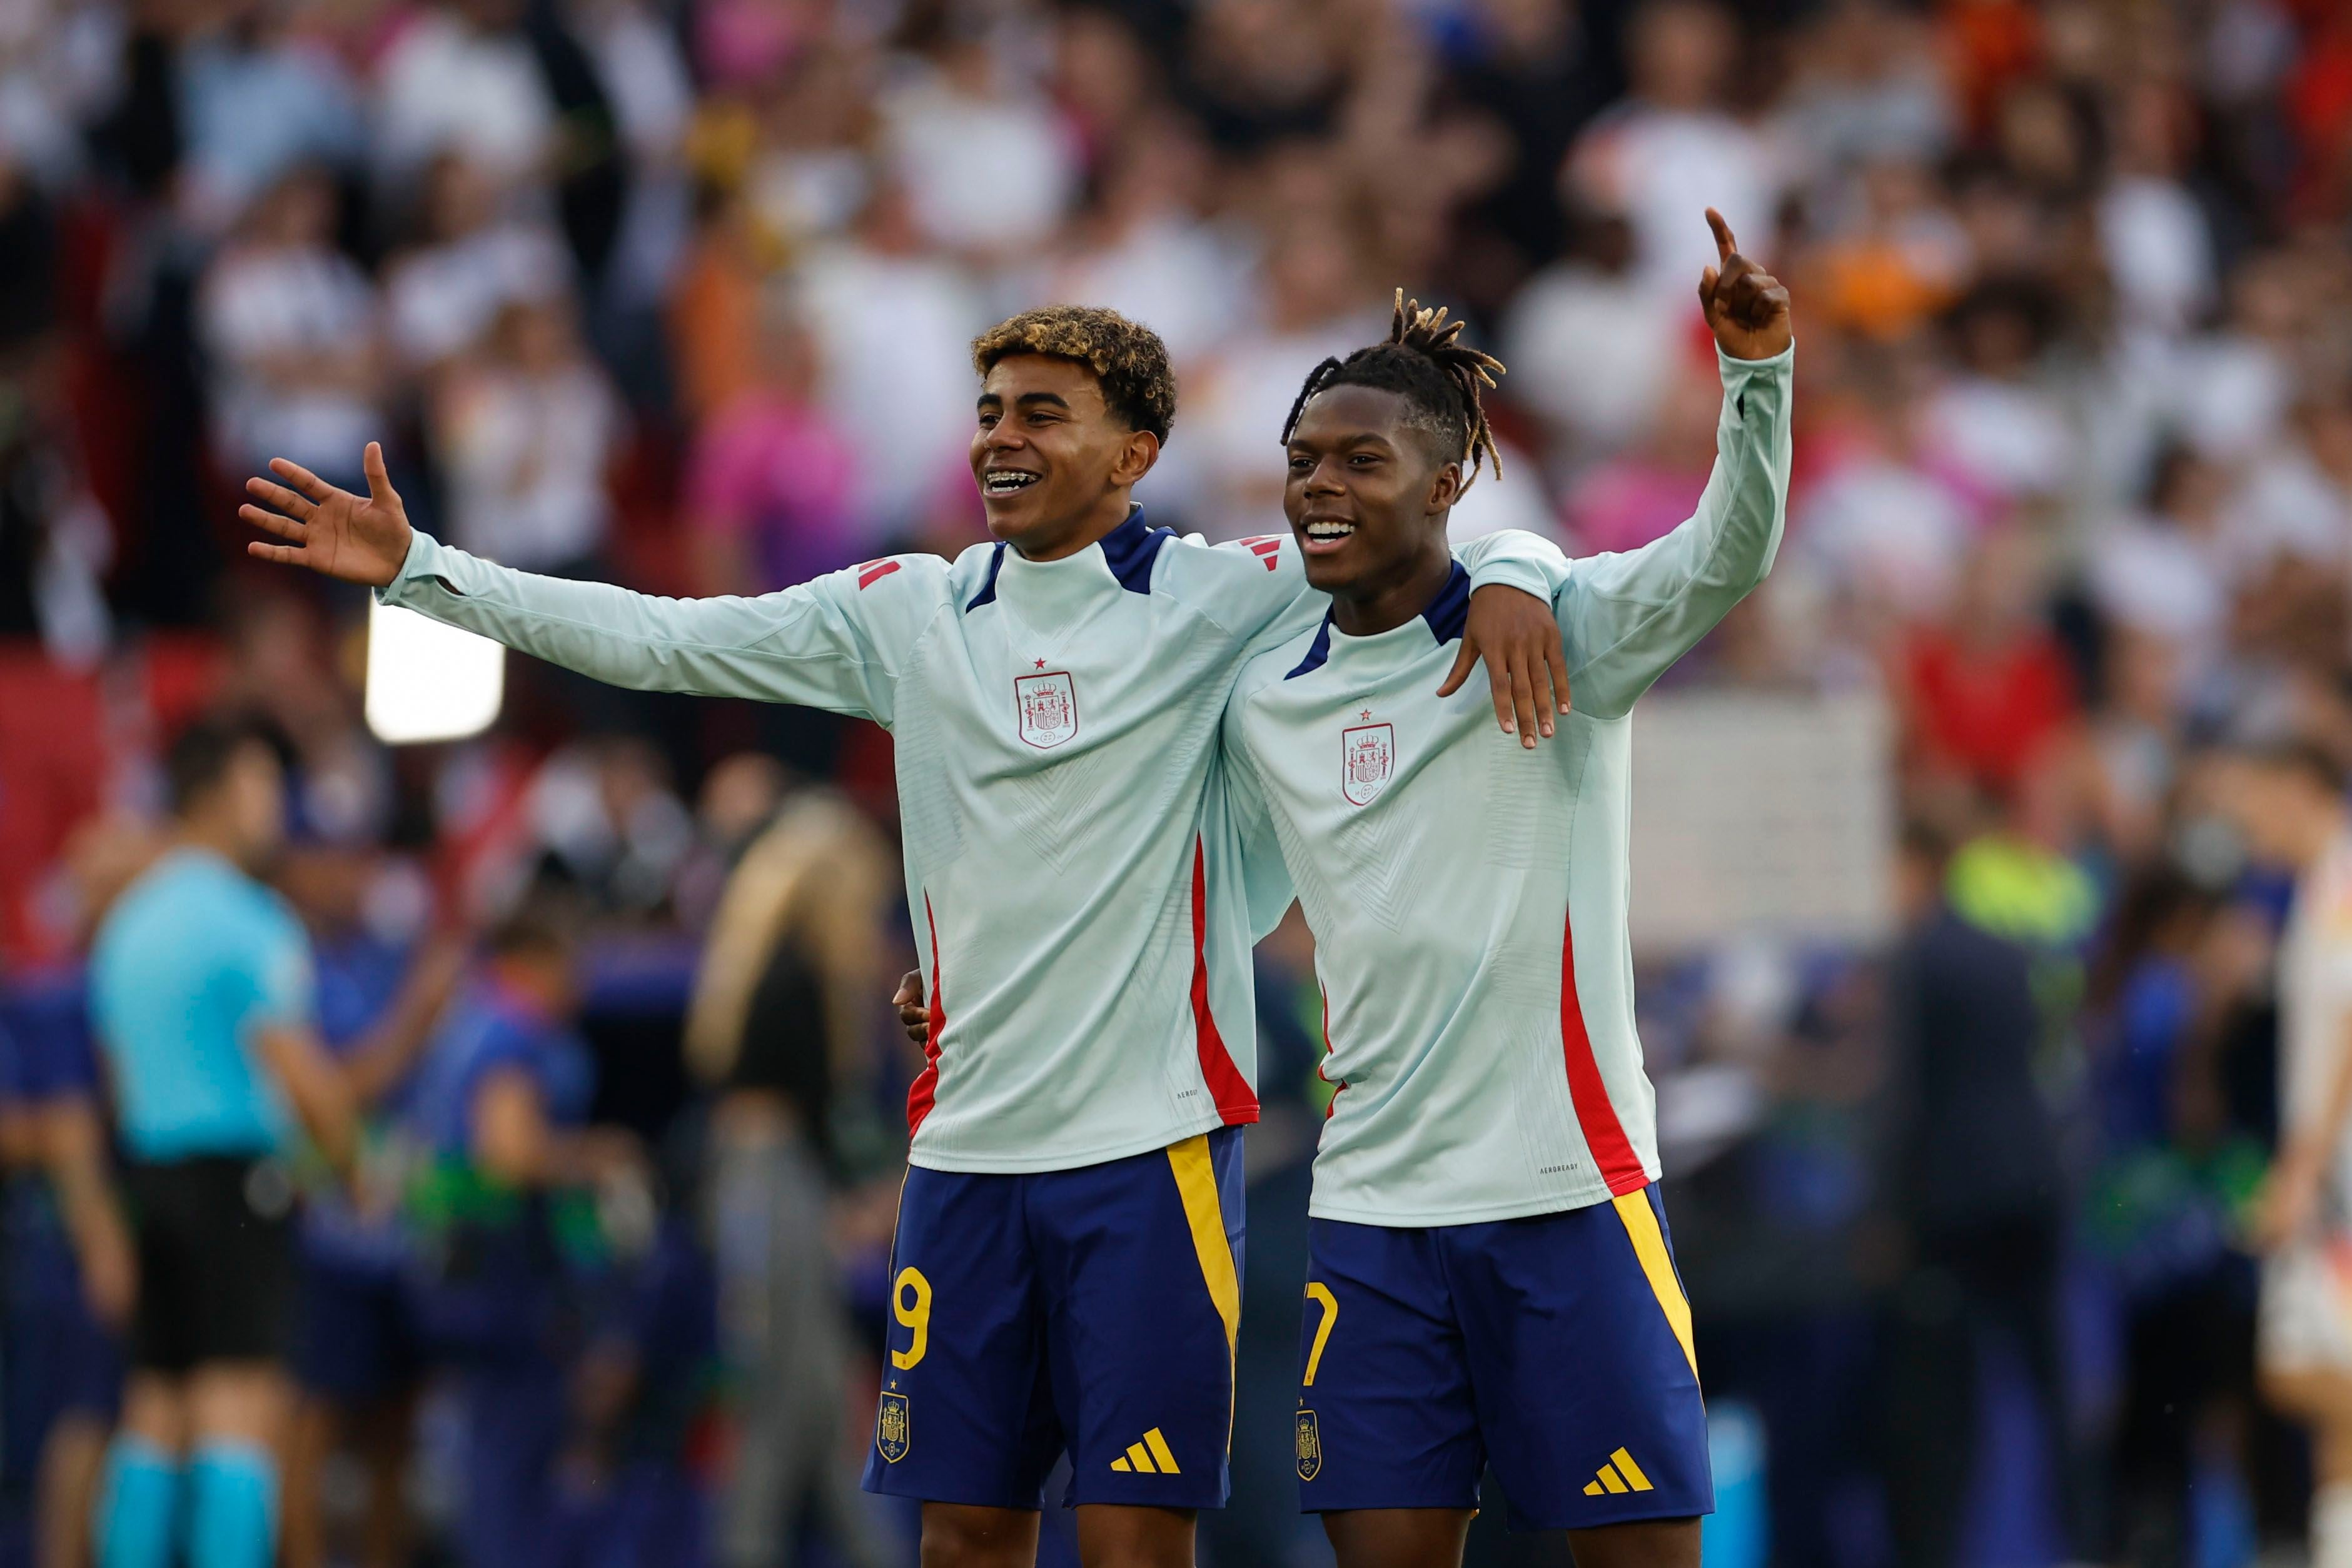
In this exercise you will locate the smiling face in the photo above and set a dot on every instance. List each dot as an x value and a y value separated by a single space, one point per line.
1368 494
1053 464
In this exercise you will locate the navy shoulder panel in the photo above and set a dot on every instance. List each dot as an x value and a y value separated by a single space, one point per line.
987 594
1449 613
1317 651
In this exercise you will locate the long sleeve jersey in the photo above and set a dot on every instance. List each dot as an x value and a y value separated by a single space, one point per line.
1468 897
1072 870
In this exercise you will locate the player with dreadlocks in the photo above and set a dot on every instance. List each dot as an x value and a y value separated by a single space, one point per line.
1491 1279
1067 1257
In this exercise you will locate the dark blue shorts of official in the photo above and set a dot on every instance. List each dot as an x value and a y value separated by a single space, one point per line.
1089 1309
1555 1348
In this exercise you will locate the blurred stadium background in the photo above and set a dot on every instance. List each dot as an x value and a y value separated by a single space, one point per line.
676 292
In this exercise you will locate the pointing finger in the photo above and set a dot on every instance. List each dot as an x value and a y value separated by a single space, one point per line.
1725 246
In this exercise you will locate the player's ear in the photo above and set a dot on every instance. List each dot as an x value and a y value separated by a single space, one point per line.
1446 487
1137 454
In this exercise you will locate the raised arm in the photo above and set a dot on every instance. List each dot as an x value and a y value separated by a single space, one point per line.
836 643
1629 616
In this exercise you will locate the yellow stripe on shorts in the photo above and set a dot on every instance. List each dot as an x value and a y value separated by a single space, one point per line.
1196 1185
1650 1246
1321 1294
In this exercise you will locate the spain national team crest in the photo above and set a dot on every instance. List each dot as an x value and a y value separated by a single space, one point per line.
1049 708
1310 1447
894 1429
1367 761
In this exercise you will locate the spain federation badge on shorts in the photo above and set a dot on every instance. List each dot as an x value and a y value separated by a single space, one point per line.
893 1428
1310 1447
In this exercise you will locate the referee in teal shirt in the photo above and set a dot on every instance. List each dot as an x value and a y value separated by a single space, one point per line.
201 992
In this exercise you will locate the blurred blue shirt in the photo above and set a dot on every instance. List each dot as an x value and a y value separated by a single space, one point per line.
192 960
489 1030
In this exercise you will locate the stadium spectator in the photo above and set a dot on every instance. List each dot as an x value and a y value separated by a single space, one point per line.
527 429
507 1238
774 1028
291 323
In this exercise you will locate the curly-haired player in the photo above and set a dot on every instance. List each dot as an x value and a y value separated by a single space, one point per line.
1067 1265
1491 1279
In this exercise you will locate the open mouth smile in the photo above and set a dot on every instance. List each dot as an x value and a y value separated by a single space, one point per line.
1007 481
1322 534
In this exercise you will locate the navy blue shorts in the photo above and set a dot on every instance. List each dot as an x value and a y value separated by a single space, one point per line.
355 1336
1555 1348
1089 1311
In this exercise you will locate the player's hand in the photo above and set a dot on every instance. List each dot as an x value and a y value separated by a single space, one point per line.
110 1273
914 1014
2288 1203
360 539
1526 669
1747 305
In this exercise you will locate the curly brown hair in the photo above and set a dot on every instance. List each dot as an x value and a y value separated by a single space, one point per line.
1126 356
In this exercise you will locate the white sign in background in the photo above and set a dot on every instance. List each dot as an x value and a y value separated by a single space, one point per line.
1761 813
429 681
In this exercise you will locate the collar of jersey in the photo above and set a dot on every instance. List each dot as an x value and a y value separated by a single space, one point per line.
1129 551
1445 618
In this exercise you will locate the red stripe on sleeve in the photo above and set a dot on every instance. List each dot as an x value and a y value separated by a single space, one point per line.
1341 1087
1234 1100
1595 1116
920 1094
874 572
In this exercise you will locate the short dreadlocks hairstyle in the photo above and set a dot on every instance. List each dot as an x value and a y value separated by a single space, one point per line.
1126 356
1437 375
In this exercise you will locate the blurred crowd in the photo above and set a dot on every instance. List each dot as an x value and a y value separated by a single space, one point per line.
677 293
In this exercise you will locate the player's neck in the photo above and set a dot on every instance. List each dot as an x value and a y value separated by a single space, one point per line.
1059 541
1370 608
214 838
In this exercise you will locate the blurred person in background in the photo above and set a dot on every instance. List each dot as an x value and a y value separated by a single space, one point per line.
200 990
258 99
985 166
1973 1184
505 1169
2177 1159
778 1022
472 256
2288 799
892 316
461 76
72 1276
1985 689
358 1358
525 429
291 324
1602 349
770 481
1671 147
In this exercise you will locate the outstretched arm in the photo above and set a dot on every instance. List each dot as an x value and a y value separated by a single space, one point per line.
829 644
1627 617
